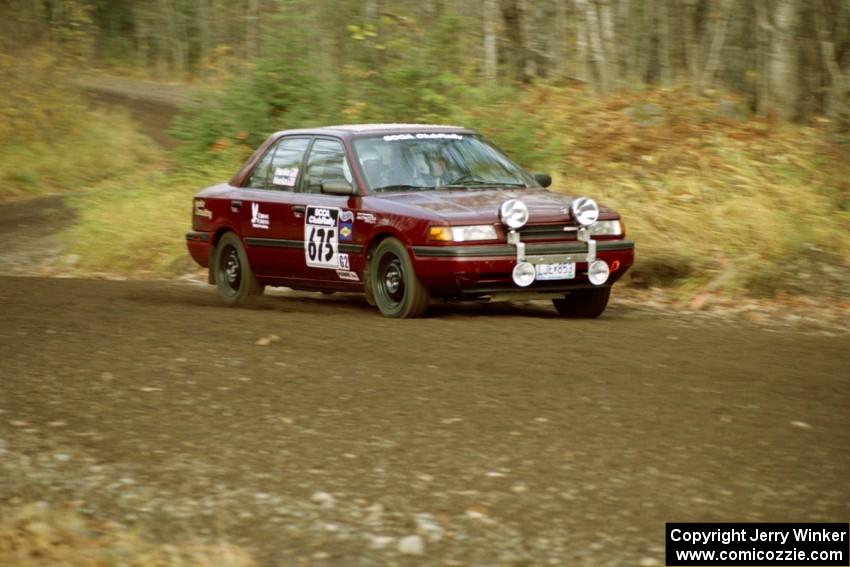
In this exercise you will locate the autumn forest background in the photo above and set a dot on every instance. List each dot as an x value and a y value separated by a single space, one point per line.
719 128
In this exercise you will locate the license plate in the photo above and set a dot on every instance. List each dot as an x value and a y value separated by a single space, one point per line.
565 271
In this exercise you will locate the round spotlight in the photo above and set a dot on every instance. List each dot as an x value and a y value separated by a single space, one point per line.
524 274
585 210
513 213
597 272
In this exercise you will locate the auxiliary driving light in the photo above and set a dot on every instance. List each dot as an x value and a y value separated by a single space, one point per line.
513 213
597 272
585 210
524 274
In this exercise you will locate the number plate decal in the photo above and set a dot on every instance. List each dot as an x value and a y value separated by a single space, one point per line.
321 237
564 271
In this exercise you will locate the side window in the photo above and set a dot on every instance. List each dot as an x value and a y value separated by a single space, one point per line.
287 162
278 169
326 163
260 176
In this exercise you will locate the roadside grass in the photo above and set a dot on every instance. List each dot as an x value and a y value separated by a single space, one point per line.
748 227
40 536
717 201
108 147
52 142
136 227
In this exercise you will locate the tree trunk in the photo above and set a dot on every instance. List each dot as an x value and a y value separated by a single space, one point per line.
203 29
624 33
164 34
582 72
609 41
252 19
644 49
597 51
182 39
692 43
784 72
512 16
370 11
491 53
763 34
664 58
434 9
836 104
531 22
559 39
715 51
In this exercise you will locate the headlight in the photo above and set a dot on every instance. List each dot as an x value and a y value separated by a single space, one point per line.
585 210
462 233
513 213
606 228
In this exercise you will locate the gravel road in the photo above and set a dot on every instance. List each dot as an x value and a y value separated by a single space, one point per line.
312 431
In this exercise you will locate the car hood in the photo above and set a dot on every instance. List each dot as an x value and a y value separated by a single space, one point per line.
476 205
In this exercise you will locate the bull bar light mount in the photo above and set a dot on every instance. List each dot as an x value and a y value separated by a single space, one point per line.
513 213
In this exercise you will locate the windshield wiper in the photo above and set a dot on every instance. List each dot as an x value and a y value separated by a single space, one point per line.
497 183
403 187
466 181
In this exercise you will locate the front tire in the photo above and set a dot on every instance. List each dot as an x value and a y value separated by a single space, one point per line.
234 278
584 303
396 290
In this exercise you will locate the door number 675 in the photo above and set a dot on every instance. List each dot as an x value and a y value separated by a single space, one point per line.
320 243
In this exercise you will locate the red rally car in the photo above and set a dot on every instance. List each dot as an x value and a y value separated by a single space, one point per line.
404 213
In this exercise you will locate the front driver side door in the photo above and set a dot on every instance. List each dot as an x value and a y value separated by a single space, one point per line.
325 220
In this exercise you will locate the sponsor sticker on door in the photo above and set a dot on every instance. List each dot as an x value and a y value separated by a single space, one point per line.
368 218
321 237
346 231
259 219
201 209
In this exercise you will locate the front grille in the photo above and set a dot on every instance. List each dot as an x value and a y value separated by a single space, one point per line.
532 233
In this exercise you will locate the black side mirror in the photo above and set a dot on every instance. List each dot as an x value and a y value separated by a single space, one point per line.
338 187
544 179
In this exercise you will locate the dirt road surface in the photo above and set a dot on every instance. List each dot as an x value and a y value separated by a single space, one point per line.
312 431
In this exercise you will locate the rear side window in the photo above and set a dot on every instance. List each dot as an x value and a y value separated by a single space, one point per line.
326 163
280 166
286 163
260 174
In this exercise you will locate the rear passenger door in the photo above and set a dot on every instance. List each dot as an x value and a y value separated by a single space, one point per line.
325 221
265 208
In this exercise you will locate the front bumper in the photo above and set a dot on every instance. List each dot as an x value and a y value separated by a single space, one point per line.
484 269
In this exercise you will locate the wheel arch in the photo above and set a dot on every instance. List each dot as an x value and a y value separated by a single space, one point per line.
379 236
216 237
369 246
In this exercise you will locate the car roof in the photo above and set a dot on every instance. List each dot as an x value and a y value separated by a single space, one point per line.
351 130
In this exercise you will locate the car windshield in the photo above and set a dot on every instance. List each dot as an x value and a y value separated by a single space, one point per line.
430 161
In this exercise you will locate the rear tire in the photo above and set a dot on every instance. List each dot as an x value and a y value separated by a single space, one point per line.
583 303
396 290
234 278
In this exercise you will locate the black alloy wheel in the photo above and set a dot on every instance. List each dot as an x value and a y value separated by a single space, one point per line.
393 283
234 278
